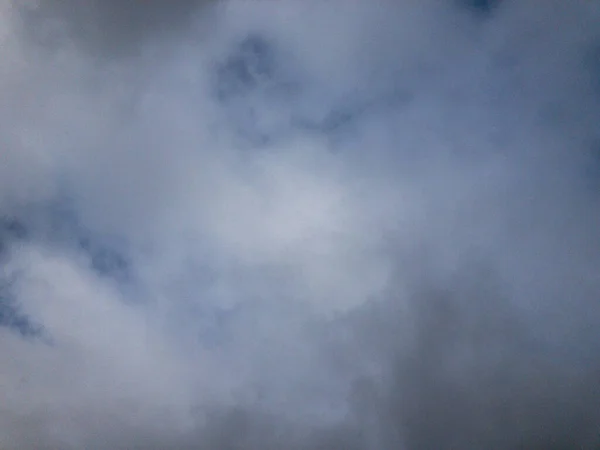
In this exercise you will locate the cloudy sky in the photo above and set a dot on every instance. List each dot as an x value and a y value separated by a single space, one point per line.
304 225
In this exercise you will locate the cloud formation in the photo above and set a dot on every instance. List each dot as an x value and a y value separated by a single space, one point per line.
240 225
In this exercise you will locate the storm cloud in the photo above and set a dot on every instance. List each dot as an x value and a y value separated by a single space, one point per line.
303 225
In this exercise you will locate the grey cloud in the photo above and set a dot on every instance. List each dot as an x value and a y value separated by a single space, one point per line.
110 28
304 226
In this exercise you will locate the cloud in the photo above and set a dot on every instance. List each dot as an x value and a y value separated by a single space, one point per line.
235 225
108 28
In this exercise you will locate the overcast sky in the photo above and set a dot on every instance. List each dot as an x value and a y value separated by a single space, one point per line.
304 225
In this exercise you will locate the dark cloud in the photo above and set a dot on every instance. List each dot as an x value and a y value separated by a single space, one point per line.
478 377
12 317
481 7
111 28
17 321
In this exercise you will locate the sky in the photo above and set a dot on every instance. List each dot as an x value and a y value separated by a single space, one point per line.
310 225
